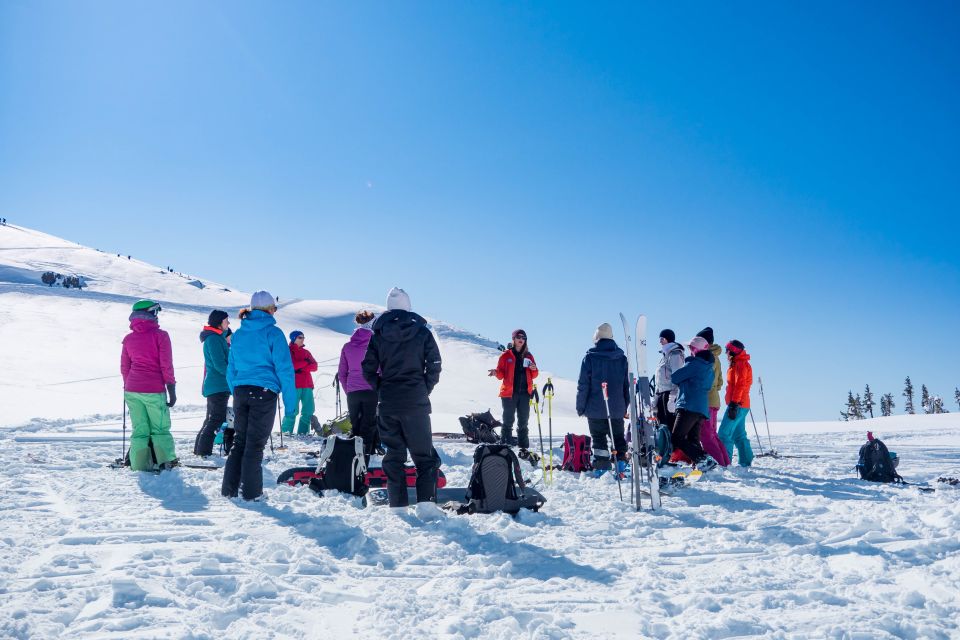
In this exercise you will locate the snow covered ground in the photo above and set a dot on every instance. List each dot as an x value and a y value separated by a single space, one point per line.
792 548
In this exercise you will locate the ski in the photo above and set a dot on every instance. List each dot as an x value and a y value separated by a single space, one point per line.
648 435
642 454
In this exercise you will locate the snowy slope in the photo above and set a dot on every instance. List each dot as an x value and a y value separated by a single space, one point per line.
66 343
792 548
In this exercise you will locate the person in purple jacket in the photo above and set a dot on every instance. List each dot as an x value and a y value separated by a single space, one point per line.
149 388
361 397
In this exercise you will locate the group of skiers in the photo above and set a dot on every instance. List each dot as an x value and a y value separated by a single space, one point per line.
388 369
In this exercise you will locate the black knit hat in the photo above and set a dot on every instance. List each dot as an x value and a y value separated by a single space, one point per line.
707 334
216 318
669 335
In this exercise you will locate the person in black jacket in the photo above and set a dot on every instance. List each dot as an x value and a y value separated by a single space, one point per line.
403 365
605 362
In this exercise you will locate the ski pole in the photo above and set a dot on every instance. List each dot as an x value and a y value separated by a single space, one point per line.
613 452
123 441
281 447
763 400
756 432
548 396
535 401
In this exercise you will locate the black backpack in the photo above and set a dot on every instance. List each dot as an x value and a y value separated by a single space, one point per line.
343 465
479 428
875 463
496 483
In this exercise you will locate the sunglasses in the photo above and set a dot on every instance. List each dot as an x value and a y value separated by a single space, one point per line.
520 337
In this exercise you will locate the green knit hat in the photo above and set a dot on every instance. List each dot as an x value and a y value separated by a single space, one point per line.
151 306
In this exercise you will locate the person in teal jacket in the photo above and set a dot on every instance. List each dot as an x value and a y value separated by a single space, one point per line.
694 379
216 350
258 371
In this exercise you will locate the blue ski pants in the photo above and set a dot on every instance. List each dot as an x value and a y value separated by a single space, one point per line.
733 433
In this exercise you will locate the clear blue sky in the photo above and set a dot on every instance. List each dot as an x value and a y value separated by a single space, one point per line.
785 172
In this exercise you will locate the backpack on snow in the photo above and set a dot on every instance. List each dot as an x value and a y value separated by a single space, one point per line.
876 463
576 453
479 428
496 483
343 464
339 425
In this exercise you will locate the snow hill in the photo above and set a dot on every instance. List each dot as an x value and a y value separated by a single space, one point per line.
791 548
66 342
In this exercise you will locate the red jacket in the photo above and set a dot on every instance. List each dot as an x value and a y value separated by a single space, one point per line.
303 364
739 379
505 369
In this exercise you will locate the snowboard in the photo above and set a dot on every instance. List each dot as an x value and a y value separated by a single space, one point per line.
643 454
375 477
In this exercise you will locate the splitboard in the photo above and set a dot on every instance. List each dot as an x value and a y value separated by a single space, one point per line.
451 498
375 476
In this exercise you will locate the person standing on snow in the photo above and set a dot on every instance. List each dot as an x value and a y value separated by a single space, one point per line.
303 366
516 368
708 431
403 364
259 368
733 428
694 381
670 360
149 388
361 397
605 362
216 352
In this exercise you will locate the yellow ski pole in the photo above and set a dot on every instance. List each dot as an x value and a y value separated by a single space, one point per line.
535 401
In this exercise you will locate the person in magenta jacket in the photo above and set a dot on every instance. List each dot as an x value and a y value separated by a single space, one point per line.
361 397
303 366
149 388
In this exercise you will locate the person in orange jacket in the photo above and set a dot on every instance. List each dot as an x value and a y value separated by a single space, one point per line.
516 368
303 366
733 429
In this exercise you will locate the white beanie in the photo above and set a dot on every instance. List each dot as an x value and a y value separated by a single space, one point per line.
262 300
604 331
398 299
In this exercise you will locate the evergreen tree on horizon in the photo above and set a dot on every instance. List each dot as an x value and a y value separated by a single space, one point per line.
868 401
908 394
925 399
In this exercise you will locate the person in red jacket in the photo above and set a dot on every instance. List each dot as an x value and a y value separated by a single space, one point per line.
303 366
733 428
517 369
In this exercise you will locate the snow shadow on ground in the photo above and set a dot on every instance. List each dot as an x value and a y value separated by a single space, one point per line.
841 489
520 559
172 492
343 541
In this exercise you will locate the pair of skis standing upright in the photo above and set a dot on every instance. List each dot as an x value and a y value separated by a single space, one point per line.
643 454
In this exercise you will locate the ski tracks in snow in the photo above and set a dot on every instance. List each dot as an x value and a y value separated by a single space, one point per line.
790 548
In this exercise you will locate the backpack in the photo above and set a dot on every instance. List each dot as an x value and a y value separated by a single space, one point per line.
479 428
496 483
876 464
343 465
576 453
333 426
663 442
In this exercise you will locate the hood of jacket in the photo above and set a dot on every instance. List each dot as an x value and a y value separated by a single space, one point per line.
606 348
399 325
670 346
716 350
705 355
258 320
209 331
743 356
361 337
143 324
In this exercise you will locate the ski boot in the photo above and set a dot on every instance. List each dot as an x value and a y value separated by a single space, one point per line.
622 469
706 463
601 465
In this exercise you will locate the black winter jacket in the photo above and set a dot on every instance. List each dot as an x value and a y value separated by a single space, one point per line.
404 352
605 362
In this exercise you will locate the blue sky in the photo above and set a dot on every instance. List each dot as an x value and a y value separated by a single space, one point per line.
784 172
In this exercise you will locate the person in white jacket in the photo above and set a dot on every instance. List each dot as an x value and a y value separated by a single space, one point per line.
671 359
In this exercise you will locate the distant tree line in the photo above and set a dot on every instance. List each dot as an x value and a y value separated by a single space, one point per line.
860 407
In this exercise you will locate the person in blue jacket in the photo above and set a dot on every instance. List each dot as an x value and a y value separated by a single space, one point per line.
258 369
695 379
605 362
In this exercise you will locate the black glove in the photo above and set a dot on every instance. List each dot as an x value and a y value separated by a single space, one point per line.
732 410
171 395
298 370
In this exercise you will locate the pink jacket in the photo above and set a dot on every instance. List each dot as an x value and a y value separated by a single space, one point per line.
146 361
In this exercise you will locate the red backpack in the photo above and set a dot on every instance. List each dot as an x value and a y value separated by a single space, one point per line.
576 453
